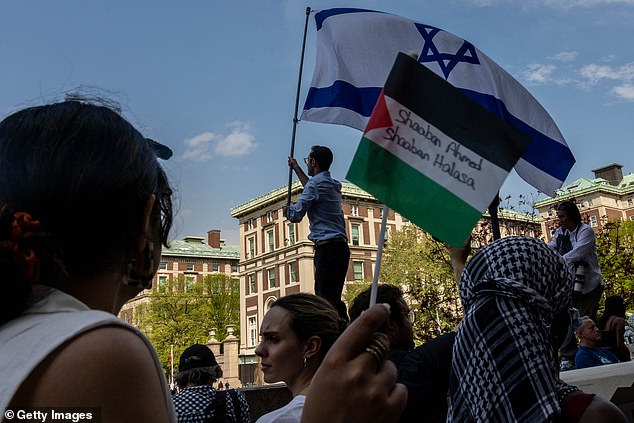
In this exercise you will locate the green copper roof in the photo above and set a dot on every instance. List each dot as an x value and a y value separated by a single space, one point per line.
347 190
196 247
584 186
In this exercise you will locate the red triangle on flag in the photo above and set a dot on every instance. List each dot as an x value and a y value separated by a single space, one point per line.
380 117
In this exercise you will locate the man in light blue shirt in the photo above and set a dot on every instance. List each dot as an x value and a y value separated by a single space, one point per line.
321 201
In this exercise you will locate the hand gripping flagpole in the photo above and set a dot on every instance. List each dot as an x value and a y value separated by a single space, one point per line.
379 255
295 120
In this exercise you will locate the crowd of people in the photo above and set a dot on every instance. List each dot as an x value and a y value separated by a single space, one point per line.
75 168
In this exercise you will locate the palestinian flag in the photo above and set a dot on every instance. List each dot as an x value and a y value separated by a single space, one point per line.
433 154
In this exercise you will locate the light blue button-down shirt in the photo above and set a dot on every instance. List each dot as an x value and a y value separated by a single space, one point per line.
321 200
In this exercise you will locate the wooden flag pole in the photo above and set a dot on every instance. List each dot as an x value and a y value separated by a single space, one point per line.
379 255
295 120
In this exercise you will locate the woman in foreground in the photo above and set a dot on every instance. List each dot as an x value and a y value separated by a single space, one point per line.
84 209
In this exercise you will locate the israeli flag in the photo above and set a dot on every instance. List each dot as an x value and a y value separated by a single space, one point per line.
356 49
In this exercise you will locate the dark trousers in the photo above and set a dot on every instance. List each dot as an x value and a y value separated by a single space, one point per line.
331 265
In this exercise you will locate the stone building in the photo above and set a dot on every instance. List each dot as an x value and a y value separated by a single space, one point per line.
188 260
608 196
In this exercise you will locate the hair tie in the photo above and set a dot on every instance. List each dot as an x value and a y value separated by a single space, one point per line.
22 227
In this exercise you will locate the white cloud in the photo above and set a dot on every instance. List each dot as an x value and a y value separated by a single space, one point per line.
624 92
594 73
199 147
566 56
238 143
539 73
205 146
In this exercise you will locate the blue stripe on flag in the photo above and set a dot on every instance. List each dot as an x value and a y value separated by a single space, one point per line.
345 95
543 152
321 16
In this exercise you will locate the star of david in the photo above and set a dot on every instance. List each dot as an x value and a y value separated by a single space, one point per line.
447 61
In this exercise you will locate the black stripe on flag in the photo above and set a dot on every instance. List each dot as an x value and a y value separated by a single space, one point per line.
461 118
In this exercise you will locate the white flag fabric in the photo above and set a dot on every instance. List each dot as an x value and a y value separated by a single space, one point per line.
356 49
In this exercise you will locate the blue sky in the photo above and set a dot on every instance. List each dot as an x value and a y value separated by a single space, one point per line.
216 80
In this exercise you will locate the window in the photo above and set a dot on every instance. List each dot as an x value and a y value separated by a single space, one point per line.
291 234
249 224
593 221
589 202
189 267
162 281
354 234
234 267
354 210
215 267
630 202
269 216
270 275
189 281
270 240
251 253
253 331
292 272
253 287
163 265
357 266
381 212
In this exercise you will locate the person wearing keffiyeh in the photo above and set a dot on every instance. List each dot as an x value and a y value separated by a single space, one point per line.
516 295
504 366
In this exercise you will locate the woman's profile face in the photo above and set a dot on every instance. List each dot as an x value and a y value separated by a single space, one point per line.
280 351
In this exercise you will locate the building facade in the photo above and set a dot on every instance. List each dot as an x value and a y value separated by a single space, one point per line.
188 260
276 257
608 196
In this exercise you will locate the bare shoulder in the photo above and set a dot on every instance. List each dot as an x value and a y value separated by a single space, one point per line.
601 410
109 367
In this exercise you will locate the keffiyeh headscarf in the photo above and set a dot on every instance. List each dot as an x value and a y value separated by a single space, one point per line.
504 366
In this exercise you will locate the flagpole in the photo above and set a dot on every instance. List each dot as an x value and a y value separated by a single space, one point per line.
295 120
172 364
379 255
493 212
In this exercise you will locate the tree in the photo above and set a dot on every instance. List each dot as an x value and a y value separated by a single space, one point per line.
180 317
615 248
421 266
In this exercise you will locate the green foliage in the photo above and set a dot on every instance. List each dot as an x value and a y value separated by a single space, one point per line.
177 317
615 247
421 266
353 289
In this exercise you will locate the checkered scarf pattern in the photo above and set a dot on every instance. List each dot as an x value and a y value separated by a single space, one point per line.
504 367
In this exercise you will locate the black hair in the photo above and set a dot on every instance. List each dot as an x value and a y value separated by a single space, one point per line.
198 376
386 293
85 173
614 306
322 155
571 209
312 316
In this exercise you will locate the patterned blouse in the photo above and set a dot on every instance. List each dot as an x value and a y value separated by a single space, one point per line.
202 404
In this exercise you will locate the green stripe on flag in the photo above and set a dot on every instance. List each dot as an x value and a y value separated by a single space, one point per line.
412 194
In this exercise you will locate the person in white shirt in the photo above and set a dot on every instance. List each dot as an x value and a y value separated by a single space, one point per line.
576 242
296 333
